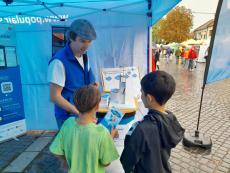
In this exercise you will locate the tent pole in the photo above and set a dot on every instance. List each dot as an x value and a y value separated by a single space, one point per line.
150 49
150 35
198 120
43 4
198 139
129 4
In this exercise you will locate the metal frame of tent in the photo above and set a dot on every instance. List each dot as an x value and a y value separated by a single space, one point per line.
119 9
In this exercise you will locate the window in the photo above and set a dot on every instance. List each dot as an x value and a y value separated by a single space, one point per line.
2 57
11 56
210 33
58 38
8 56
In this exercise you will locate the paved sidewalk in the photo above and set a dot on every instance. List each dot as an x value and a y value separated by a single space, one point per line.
215 122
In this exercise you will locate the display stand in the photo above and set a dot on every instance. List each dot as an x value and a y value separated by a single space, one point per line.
12 118
122 88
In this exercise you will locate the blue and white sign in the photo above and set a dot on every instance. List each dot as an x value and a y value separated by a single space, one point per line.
219 67
6 87
7 35
10 96
12 119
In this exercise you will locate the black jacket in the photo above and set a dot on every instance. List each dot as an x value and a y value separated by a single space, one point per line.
149 142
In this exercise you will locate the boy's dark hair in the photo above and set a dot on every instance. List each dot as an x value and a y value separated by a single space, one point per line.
160 85
86 98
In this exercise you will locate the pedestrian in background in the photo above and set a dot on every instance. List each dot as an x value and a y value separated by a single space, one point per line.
192 55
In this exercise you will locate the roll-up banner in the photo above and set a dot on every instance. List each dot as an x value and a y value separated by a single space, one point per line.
12 118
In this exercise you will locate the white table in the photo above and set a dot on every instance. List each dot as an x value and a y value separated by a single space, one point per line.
115 166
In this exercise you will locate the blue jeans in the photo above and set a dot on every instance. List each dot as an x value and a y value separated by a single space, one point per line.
61 120
190 64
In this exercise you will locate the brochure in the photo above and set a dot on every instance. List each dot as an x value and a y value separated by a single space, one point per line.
105 99
112 118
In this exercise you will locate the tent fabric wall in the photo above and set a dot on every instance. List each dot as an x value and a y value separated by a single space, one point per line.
115 46
34 50
122 40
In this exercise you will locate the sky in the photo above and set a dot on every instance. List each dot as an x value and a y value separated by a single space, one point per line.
198 7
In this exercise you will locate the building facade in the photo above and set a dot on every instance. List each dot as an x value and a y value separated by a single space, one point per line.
204 32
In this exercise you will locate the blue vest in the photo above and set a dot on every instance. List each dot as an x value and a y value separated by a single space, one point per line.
76 76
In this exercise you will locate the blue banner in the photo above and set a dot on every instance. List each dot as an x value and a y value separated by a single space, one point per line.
219 67
7 35
11 103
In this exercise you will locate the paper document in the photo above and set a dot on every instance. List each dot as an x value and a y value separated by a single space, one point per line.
122 131
105 99
111 78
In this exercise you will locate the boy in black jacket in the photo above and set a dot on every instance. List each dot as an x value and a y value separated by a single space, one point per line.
149 142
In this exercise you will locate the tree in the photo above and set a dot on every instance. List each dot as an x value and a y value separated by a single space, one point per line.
155 36
175 27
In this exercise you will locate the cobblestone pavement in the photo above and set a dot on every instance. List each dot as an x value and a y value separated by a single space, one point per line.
214 122
11 149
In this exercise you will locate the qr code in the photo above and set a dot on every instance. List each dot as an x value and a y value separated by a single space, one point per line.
6 87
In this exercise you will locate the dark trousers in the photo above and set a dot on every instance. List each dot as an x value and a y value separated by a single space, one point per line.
61 120
190 64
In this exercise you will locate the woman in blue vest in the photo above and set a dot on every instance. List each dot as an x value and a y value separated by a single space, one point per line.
69 69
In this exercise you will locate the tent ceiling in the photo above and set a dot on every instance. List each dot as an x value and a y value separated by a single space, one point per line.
54 8
43 8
